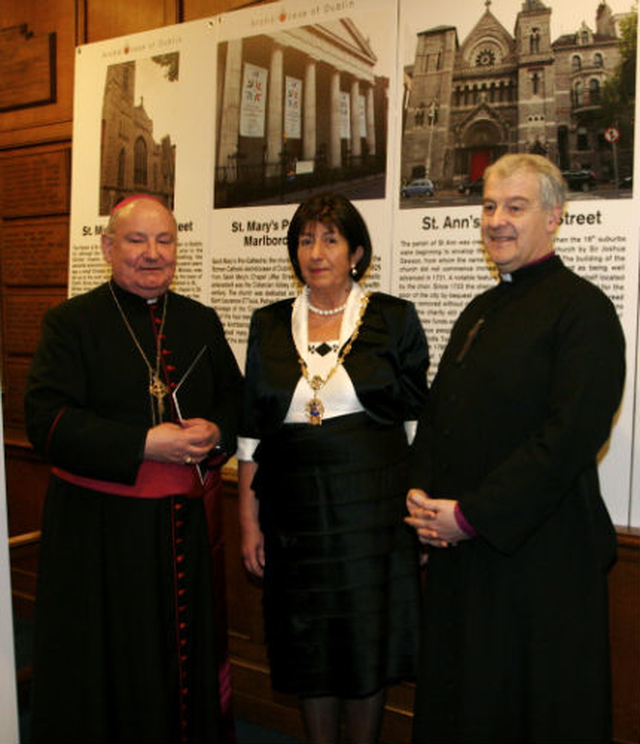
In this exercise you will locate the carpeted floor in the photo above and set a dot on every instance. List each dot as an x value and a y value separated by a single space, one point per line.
247 733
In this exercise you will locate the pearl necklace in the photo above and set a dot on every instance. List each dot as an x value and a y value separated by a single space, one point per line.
318 311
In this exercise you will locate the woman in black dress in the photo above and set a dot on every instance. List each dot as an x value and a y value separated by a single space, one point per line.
334 379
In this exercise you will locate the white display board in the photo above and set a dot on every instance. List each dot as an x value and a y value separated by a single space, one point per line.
376 93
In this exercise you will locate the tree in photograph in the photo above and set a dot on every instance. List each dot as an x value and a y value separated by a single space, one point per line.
171 61
619 92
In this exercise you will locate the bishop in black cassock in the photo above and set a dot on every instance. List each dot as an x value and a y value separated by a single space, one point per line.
132 397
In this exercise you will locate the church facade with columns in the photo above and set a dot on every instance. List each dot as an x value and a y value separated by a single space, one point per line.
298 107
468 103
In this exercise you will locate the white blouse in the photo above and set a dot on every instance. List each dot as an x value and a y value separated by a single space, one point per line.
338 395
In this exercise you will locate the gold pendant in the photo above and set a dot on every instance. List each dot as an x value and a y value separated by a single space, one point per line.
316 382
158 389
315 409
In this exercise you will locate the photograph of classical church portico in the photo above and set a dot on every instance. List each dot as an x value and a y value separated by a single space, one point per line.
132 158
568 96
300 109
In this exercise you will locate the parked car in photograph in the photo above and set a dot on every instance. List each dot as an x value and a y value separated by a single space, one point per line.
626 182
471 187
418 187
582 179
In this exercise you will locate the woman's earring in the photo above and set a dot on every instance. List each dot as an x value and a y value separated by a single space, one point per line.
354 271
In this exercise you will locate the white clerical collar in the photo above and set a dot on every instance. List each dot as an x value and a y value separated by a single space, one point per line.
508 276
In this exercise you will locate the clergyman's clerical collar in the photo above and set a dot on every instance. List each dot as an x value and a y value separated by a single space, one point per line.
124 292
508 276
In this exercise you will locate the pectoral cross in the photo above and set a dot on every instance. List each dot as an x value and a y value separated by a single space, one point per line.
158 389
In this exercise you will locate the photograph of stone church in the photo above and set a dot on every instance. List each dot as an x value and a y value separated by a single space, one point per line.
469 101
297 110
132 158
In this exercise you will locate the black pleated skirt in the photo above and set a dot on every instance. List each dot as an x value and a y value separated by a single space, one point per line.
341 591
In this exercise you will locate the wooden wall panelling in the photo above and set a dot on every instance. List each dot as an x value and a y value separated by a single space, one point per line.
24 567
34 206
22 312
27 476
13 387
35 252
35 181
245 629
624 600
194 9
106 20
51 121
28 68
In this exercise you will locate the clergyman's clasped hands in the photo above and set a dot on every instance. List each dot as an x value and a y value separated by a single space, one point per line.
189 441
434 520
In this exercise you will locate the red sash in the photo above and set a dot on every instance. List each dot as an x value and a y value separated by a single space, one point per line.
155 480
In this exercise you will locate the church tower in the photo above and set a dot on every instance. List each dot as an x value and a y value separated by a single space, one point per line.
605 22
427 117
537 119
116 133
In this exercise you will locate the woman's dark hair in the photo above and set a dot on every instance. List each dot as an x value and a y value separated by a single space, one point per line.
330 209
